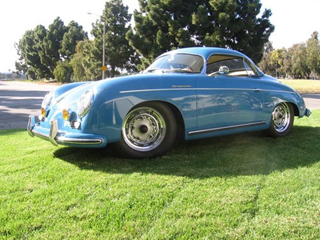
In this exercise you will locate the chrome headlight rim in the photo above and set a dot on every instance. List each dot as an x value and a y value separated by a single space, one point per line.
85 103
47 100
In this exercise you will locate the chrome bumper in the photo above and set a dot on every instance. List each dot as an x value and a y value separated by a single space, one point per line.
57 138
31 124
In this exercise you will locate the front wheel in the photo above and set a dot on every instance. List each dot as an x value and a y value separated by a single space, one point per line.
147 131
282 119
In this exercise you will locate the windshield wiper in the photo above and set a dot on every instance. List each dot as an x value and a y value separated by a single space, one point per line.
181 70
153 70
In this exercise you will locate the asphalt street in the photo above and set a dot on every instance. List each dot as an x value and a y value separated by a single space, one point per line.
18 100
312 101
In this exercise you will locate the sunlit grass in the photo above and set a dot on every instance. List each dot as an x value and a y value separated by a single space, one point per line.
247 186
303 86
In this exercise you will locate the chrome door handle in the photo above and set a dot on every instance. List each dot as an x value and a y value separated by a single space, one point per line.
257 90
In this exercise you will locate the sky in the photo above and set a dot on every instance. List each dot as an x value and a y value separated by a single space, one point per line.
294 20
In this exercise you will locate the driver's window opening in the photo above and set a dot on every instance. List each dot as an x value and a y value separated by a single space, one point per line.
227 65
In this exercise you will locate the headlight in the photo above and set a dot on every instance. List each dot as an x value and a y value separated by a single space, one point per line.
46 104
85 103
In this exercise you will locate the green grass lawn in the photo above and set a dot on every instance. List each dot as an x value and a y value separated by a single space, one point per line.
247 186
303 86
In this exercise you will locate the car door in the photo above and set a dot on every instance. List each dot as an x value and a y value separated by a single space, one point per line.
228 96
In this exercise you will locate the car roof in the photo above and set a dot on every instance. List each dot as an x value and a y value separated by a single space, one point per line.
206 52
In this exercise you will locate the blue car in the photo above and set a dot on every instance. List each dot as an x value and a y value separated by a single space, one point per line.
189 93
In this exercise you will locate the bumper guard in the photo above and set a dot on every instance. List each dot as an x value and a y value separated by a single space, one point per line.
56 137
307 112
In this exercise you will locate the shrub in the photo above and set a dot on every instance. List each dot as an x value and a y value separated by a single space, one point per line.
63 72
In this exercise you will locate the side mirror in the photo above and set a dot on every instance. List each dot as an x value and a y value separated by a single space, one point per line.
223 70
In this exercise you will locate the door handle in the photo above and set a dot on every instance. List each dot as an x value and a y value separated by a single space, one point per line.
257 89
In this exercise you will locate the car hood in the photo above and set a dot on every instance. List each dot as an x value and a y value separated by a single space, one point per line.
112 86
70 96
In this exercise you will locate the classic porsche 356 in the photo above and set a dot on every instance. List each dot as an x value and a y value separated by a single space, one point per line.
190 93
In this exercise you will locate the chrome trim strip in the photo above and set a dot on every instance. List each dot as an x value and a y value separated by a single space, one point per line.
227 128
180 88
158 90
279 91
69 140
79 141
226 89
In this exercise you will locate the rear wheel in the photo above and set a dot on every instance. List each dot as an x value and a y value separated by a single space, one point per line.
282 119
148 131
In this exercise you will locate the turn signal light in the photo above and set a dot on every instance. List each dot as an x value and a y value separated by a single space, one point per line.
65 114
43 112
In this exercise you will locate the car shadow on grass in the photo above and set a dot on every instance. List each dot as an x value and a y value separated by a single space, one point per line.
242 154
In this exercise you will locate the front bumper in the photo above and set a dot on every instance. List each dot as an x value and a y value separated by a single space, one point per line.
57 137
307 112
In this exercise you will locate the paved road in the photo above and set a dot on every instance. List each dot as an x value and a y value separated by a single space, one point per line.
18 100
312 101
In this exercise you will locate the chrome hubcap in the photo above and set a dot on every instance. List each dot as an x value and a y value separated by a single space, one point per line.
144 129
281 117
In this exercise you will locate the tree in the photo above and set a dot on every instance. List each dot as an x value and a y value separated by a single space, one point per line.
28 49
234 24
118 53
273 63
85 65
21 68
300 68
287 63
63 72
162 25
40 49
72 36
313 54
277 61
266 64
78 63
268 47
49 53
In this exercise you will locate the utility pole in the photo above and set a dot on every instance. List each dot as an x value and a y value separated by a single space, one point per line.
104 67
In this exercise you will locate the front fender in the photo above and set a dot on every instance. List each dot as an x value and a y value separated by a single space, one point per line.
289 97
106 117
275 92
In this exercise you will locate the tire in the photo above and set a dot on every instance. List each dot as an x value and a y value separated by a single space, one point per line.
147 131
282 119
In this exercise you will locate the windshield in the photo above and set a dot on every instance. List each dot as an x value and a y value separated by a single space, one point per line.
185 63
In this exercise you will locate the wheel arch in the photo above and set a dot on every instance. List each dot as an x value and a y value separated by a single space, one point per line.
282 119
177 114
149 130
295 108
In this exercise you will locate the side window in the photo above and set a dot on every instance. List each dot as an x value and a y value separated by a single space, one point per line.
229 66
251 71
